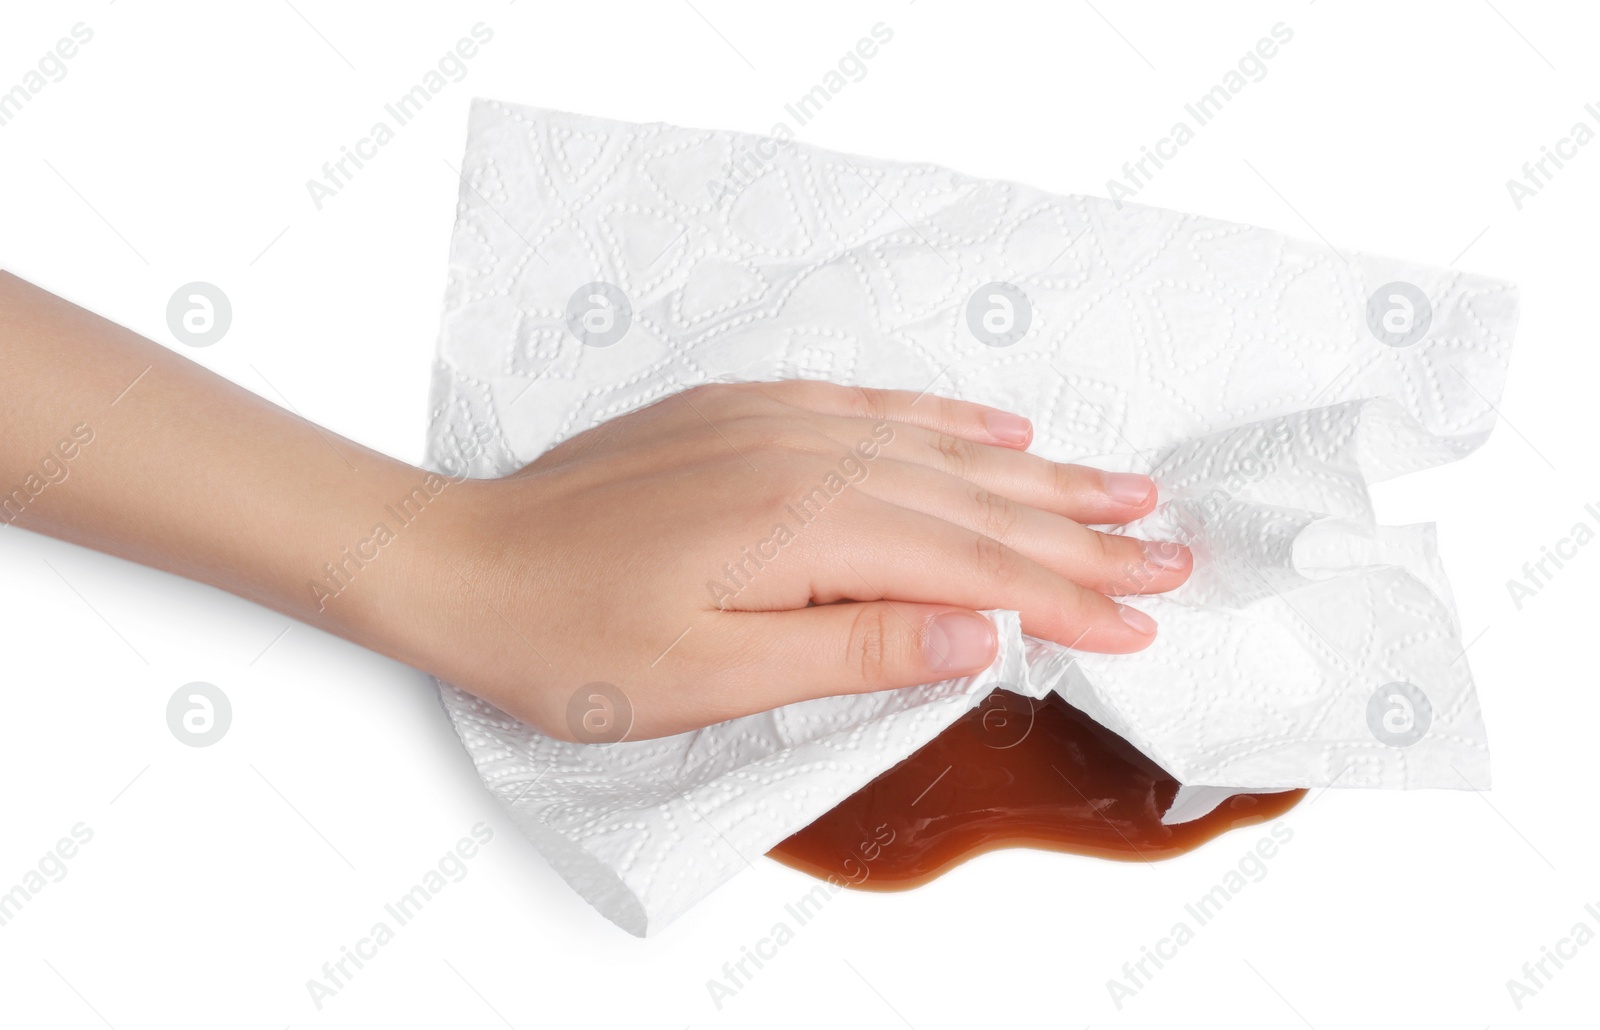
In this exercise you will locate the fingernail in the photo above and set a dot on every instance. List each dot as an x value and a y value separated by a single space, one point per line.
1008 428
1164 554
960 640
1137 619
1129 487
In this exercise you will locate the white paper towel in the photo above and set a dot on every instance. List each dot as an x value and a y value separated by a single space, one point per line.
1264 382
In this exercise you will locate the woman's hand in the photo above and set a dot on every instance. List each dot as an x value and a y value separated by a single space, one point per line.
738 547
724 551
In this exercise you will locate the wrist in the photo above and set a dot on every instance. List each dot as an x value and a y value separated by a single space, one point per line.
392 576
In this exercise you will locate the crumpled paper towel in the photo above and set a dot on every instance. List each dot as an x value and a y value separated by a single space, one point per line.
1264 381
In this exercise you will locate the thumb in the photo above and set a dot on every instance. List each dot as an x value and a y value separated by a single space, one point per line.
833 649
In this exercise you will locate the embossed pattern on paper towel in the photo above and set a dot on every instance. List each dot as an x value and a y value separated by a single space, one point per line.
1159 341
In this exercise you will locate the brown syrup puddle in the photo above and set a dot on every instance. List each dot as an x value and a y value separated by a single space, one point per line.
1012 772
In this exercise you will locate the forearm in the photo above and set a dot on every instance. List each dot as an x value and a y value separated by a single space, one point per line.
663 564
112 441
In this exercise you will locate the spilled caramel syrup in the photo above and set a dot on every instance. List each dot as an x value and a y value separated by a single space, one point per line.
1012 772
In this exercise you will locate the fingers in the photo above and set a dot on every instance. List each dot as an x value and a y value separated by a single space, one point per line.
1083 494
889 552
801 404
981 444
963 419
834 649
1115 565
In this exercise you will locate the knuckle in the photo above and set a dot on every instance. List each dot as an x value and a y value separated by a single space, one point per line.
1105 549
868 649
958 454
995 562
706 391
543 717
792 499
866 403
950 412
770 434
718 400
1136 560
997 515
788 392
1063 479
1123 562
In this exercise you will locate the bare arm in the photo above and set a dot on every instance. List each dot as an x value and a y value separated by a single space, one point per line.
723 551
161 461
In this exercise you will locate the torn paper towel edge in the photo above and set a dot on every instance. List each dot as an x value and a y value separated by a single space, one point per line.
1447 422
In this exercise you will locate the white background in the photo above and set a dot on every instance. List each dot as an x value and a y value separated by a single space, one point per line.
220 879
